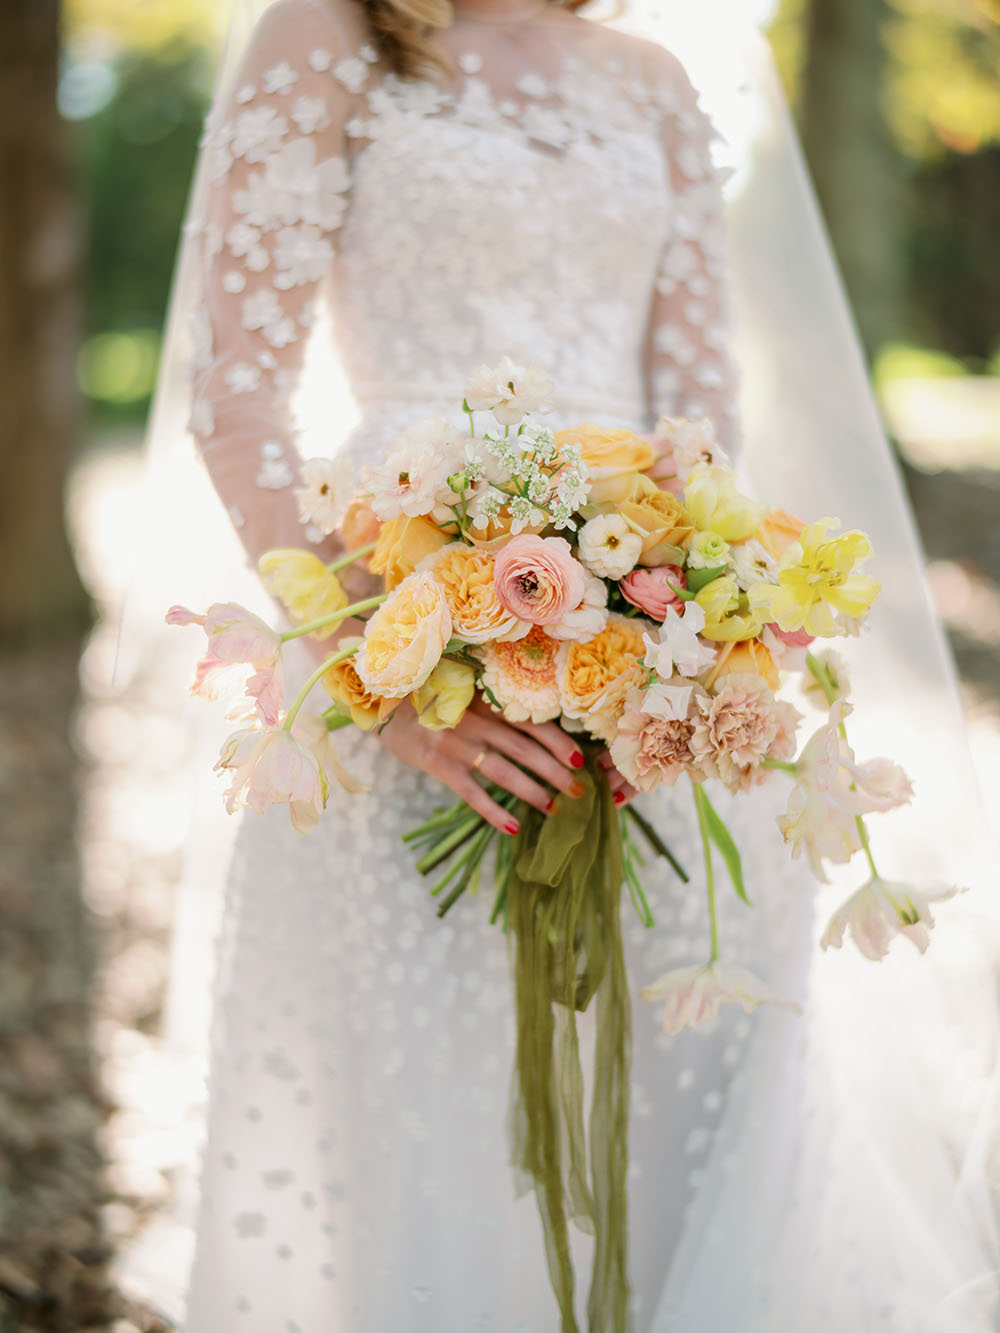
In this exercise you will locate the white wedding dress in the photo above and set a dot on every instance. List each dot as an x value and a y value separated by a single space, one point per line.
556 203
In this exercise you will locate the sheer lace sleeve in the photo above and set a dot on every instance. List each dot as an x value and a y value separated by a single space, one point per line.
276 196
691 372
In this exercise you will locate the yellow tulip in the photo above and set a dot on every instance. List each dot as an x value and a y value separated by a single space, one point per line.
715 505
728 613
445 695
304 586
818 589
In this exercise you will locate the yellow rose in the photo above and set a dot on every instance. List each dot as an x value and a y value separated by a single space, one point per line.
778 531
343 684
594 677
610 455
465 573
404 639
728 615
402 543
445 695
657 516
715 504
304 585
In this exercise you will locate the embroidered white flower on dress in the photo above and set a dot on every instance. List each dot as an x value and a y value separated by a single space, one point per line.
258 133
295 188
508 391
242 378
274 472
310 115
352 72
607 546
280 79
301 254
325 493
879 911
678 647
694 995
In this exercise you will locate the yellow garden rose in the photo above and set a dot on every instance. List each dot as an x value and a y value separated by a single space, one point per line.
402 543
404 639
715 504
594 677
465 574
445 695
657 516
728 614
304 585
343 684
610 455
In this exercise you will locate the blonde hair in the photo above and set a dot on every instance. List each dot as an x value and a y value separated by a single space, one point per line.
404 30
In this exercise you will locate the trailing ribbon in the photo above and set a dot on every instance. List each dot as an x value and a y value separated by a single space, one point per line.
563 902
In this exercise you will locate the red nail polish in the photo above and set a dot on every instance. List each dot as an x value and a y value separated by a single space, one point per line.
512 826
619 798
577 759
550 805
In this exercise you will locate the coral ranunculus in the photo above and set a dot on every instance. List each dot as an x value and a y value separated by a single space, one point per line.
652 590
402 544
594 677
466 576
404 639
538 579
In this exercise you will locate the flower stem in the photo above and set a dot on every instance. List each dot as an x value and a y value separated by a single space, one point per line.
320 671
781 765
713 921
334 617
342 561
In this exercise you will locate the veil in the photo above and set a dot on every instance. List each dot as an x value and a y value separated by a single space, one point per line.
905 1054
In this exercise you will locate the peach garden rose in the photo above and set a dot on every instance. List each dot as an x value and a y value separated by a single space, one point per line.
404 639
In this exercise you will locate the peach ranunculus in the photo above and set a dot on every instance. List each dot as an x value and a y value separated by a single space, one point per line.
466 575
404 639
303 585
441 701
650 590
237 639
694 994
739 725
594 677
657 516
402 544
520 676
610 456
344 686
651 746
538 579
778 531
361 525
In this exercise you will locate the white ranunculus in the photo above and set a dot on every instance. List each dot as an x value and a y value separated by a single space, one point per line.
879 911
607 546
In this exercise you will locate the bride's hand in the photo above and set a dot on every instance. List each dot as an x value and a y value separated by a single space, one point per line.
483 742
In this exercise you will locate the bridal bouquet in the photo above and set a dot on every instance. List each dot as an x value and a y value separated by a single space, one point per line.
625 587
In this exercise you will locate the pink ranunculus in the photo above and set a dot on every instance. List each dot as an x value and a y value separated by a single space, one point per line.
694 995
272 768
237 639
650 590
794 638
538 579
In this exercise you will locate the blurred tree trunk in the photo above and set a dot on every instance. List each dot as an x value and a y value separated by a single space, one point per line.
857 171
40 594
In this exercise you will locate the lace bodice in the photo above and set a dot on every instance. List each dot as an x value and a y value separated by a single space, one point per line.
555 200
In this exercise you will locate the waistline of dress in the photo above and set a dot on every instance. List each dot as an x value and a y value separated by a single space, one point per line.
372 397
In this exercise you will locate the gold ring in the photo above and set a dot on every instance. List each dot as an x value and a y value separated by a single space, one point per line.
477 763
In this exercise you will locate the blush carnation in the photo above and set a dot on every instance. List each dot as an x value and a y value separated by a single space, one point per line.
740 724
537 579
654 749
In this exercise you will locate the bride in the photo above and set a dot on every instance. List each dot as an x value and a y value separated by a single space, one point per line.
448 186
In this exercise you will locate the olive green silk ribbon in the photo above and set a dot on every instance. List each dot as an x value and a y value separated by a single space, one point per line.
563 901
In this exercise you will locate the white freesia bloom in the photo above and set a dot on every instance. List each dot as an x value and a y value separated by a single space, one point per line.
508 391
413 479
608 548
678 647
881 910
325 493
694 995
671 702
587 619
